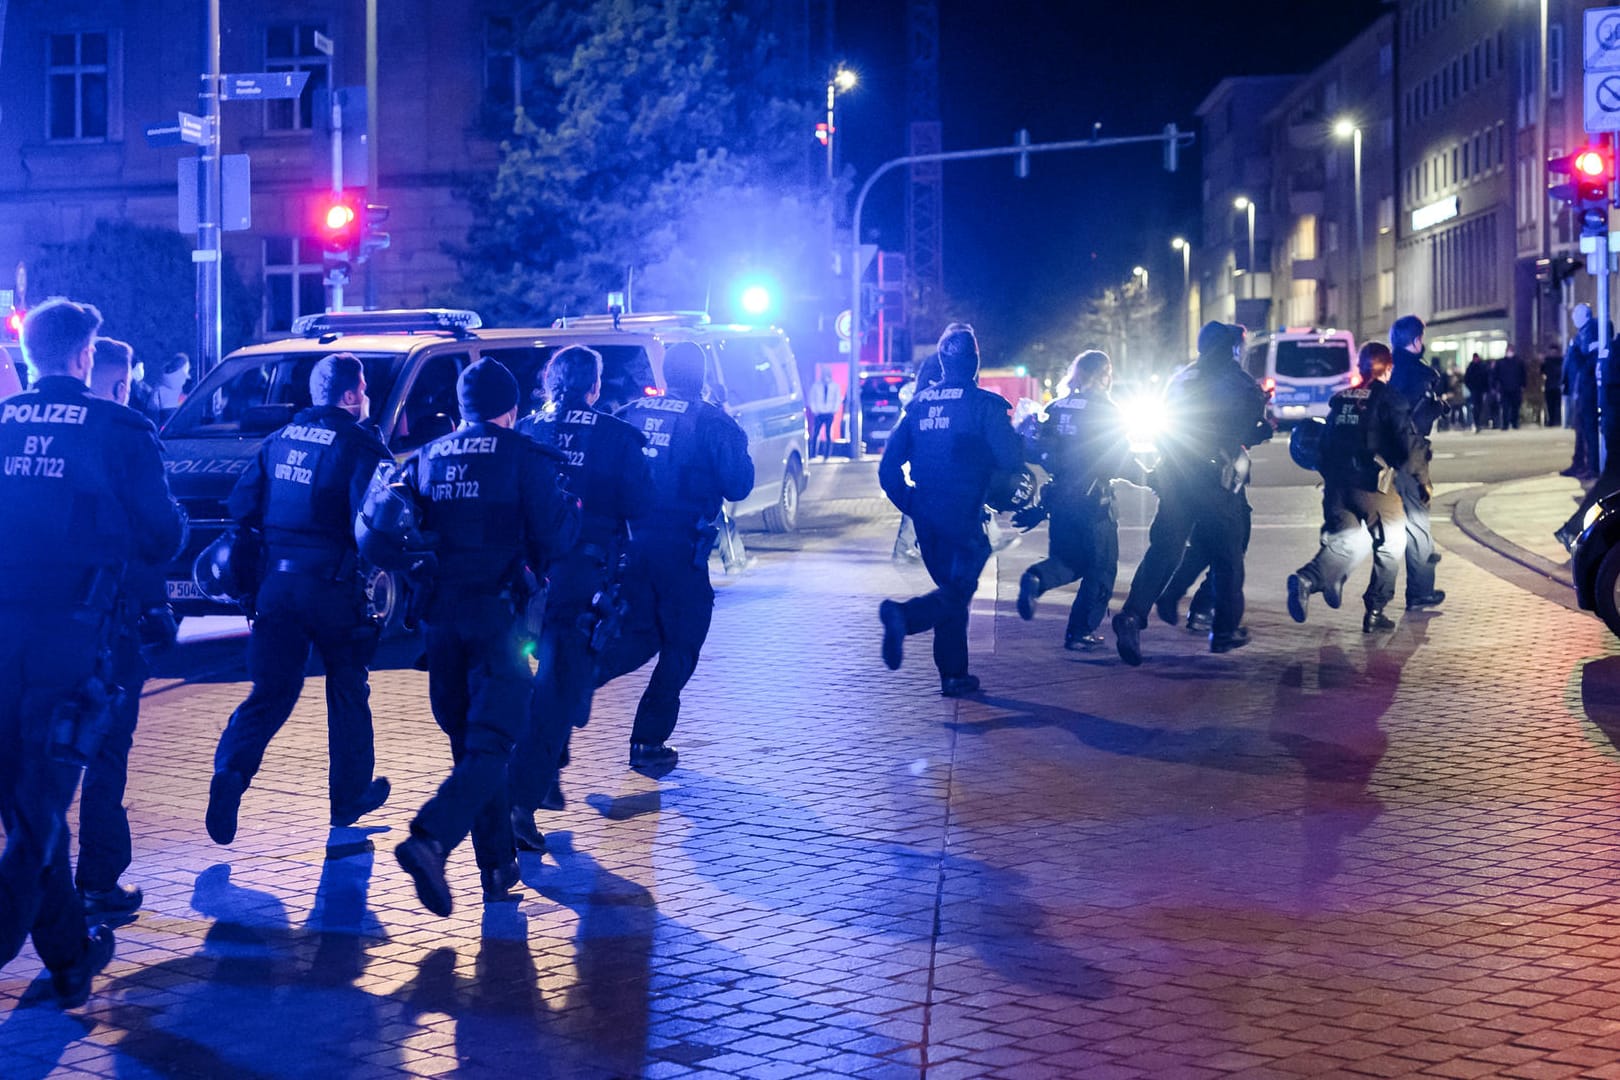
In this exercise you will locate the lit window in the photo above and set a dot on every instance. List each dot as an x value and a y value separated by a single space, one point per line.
78 87
292 48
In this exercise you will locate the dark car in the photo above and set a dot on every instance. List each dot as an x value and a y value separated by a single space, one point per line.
1595 562
883 397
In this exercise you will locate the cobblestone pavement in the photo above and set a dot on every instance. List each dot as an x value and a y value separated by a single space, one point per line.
1323 855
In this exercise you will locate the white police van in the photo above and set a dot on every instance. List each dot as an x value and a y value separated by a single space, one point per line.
412 359
1302 368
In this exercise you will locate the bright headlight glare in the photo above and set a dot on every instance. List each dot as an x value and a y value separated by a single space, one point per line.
1144 421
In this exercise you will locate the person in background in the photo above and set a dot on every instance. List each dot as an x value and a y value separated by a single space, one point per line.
1478 381
1552 389
1508 380
170 388
825 398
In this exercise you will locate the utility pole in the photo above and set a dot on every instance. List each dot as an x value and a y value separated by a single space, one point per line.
373 124
210 332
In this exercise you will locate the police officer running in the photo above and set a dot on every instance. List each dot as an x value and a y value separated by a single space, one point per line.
1218 410
606 470
1422 387
698 457
958 439
1083 445
144 621
302 490
492 499
1369 439
82 496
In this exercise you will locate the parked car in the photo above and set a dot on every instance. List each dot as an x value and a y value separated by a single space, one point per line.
1595 562
412 360
884 395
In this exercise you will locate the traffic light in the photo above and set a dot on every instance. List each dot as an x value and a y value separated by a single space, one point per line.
1582 180
372 238
1592 171
14 324
337 225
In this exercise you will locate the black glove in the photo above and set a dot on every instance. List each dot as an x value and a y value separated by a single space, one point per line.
1029 517
158 628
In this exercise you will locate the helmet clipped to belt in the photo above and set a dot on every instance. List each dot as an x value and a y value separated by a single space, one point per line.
229 569
1013 491
1305 443
388 528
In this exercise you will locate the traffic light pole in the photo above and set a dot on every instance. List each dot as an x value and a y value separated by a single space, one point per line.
210 332
335 276
1171 138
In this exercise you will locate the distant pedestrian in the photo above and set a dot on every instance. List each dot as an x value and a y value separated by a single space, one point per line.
1477 379
1369 437
170 388
825 398
1420 385
1508 377
1552 390
1580 379
957 439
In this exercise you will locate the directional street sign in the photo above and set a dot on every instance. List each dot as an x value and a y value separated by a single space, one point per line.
1601 41
188 128
262 85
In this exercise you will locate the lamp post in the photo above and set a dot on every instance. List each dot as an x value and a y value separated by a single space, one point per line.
1543 214
1180 244
1243 202
842 81
1349 129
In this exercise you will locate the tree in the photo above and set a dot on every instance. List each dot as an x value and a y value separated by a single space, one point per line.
144 283
655 144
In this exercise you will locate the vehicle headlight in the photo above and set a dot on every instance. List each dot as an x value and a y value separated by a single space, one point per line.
1144 422
1593 512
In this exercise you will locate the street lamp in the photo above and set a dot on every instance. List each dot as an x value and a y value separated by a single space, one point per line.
1349 129
1243 202
1180 244
842 81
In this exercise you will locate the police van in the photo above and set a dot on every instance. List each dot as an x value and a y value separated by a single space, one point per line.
412 359
1302 368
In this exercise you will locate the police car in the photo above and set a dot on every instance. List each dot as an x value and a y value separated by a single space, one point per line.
1595 562
1302 368
412 360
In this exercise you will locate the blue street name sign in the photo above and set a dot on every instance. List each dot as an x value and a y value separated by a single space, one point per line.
262 85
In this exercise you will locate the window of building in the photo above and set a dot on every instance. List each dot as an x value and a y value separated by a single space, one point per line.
291 47
1455 174
1501 143
1330 236
1386 289
293 281
1555 61
1386 213
503 71
79 87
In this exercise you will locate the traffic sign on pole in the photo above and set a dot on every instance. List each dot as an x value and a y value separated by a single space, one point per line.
262 85
1600 50
187 128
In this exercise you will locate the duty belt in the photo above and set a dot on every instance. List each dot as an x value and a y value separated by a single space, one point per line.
324 569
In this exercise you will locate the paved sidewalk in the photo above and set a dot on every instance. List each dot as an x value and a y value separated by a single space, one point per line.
1324 855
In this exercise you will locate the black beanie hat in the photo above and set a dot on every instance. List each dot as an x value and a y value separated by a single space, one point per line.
683 367
1219 339
486 390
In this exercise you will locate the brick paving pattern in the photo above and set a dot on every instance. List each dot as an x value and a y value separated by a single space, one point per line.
1323 855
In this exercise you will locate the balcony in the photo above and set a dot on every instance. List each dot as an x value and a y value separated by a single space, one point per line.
1308 269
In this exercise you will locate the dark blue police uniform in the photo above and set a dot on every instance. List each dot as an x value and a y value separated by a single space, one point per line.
957 439
493 500
698 458
607 471
82 496
1217 410
1082 444
1421 386
302 490
1369 429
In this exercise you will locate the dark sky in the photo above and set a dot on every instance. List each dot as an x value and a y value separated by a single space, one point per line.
1023 254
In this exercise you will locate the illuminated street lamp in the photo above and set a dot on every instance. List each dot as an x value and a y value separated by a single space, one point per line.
1346 128
843 80
1180 244
1243 202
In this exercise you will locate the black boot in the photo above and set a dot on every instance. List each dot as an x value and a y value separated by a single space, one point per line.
1375 620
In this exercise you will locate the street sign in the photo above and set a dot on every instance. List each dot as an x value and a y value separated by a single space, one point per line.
1600 50
262 85
843 324
323 44
1602 110
187 128
235 193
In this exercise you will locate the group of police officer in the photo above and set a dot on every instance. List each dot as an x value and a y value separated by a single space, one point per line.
949 462
576 537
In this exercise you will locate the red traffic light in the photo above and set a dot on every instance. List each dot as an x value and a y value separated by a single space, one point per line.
337 221
1591 163
14 323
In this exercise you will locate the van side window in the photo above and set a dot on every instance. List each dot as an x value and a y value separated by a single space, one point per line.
1257 361
748 372
526 365
430 408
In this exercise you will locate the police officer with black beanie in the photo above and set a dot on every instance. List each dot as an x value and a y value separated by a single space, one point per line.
82 496
494 503
609 474
302 490
1217 410
958 440
1422 387
698 457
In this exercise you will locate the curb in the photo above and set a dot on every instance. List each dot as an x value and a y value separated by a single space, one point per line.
1466 517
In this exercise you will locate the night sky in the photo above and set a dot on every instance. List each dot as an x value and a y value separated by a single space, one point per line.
1021 255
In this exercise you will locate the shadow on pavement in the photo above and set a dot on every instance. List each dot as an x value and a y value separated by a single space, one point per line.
1600 696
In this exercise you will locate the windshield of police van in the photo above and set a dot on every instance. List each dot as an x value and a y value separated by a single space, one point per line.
1324 359
255 395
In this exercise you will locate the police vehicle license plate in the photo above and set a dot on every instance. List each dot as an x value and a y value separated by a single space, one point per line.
183 590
